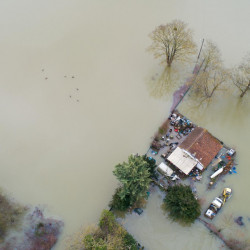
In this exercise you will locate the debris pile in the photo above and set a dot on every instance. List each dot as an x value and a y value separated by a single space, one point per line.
181 124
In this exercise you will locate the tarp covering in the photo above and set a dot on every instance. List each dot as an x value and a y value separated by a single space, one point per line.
182 160
164 169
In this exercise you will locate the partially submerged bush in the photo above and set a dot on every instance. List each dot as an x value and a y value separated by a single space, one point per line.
135 178
161 131
90 243
151 166
108 236
118 203
130 242
107 222
38 232
3 227
163 128
10 215
181 204
237 245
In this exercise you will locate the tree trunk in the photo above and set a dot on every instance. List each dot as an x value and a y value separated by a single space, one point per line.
245 90
169 61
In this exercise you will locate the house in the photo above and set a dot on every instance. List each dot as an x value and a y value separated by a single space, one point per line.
197 150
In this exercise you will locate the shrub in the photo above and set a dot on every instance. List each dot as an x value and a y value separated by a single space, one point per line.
161 131
181 204
3 227
129 242
135 178
107 222
163 128
118 203
151 166
109 235
10 215
91 243
39 229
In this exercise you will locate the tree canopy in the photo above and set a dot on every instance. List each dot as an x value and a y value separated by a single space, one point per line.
240 75
134 176
172 41
151 166
181 204
119 203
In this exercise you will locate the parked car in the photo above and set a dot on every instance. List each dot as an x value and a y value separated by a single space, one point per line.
217 203
138 211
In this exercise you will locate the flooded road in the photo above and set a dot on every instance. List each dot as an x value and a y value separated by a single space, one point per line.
74 102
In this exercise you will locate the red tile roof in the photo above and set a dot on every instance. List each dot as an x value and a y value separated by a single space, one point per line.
202 145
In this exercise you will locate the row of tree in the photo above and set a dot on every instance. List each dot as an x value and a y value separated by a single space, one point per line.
174 42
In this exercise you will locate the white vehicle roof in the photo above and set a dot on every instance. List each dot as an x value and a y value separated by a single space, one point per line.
227 190
209 213
165 169
217 202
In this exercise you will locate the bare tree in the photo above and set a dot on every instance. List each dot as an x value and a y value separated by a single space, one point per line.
211 57
240 75
172 41
207 83
212 74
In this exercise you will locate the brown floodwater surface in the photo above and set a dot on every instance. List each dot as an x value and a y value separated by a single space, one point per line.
76 99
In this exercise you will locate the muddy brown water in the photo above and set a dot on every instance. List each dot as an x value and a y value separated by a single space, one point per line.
74 103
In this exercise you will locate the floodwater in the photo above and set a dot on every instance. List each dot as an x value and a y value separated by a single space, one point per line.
228 120
75 100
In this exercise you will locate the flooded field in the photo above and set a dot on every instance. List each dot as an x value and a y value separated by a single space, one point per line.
76 98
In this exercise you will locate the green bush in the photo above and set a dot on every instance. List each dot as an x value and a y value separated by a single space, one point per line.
109 235
181 204
107 222
151 166
91 243
3 227
118 203
130 242
161 131
39 229
10 215
134 177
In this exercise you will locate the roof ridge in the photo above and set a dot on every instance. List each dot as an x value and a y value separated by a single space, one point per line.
197 138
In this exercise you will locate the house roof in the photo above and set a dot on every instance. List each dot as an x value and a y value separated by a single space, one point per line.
182 160
202 145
